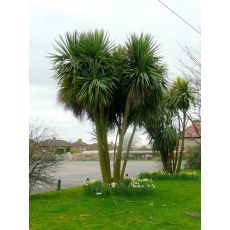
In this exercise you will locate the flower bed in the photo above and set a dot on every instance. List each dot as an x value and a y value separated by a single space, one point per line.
127 187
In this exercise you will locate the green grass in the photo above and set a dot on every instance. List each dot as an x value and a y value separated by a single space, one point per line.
185 174
166 208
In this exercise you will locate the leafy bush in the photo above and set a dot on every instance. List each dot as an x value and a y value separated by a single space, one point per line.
127 187
166 176
75 150
68 149
72 151
194 159
59 150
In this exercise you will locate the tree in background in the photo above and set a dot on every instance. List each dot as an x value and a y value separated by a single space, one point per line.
179 99
190 68
166 135
163 136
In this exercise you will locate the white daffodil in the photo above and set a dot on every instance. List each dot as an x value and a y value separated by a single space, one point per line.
113 184
153 186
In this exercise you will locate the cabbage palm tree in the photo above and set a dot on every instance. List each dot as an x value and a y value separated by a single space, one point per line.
179 99
161 128
84 70
163 137
111 87
143 83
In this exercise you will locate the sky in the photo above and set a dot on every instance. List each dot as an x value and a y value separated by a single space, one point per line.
48 19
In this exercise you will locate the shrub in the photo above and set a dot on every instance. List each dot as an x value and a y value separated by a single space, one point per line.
68 149
74 150
60 150
194 158
127 187
41 168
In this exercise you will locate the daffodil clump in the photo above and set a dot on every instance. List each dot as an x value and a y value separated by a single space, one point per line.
194 173
88 182
141 183
129 186
113 184
93 187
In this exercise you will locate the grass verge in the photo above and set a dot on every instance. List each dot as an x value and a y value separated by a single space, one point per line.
175 204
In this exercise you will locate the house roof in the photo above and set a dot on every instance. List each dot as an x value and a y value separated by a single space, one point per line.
194 130
94 146
55 143
80 144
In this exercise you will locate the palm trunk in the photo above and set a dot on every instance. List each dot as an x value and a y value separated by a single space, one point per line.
182 143
127 153
177 148
107 157
115 148
103 151
117 166
176 155
164 161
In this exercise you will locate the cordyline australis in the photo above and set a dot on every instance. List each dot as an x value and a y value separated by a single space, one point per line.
113 86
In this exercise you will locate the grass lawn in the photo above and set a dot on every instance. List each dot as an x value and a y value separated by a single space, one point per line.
175 204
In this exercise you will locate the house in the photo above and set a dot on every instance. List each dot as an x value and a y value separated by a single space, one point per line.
83 146
94 146
55 143
192 134
80 145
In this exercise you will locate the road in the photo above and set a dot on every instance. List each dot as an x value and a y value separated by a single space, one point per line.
74 173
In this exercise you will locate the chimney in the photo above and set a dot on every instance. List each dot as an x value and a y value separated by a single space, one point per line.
54 138
80 140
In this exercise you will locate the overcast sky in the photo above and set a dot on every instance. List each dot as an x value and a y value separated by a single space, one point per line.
51 18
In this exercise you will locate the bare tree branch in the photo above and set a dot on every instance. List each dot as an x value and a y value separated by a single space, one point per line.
42 161
190 68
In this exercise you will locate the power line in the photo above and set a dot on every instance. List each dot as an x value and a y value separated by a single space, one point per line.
180 17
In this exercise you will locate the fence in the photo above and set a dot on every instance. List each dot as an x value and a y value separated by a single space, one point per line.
58 184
